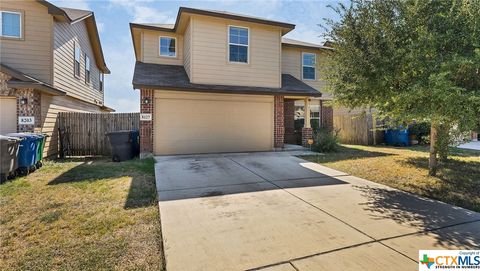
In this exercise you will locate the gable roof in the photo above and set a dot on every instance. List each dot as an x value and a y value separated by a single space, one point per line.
72 16
214 13
172 77
302 44
22 80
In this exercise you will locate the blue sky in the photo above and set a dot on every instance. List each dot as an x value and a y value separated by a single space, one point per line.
113 17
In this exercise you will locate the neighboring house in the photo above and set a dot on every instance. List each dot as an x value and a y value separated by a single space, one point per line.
222 82
51 61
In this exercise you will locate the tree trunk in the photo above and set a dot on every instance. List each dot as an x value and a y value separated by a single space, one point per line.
432 162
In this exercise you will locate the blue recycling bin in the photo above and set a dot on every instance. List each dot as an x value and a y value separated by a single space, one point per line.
397 137
27 153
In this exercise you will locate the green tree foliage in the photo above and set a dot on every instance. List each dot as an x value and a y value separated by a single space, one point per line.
411 60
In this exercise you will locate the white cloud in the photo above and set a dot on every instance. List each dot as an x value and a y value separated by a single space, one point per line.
78 4
142 13
124 105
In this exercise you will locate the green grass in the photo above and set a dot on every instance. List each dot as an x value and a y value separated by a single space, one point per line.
457 181
82 215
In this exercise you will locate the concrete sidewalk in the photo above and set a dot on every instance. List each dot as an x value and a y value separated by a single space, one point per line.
274 211
474 145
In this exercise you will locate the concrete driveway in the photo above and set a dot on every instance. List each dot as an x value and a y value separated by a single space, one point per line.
274 211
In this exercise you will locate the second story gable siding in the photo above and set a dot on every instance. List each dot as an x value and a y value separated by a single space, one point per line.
31 53
66 36
151 48
209 63
292 64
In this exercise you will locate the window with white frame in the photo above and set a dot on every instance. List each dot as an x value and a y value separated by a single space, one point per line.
308 66
168 46
87 69
76 67
11 24
100 86
238 44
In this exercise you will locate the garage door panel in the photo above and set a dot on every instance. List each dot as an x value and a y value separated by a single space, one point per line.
8 116
229 123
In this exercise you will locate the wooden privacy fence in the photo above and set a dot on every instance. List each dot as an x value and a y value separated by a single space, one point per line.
360 129
84 133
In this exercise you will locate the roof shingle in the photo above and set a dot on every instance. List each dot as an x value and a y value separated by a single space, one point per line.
174 77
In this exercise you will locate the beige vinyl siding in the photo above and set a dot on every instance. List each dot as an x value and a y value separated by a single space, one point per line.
50 107
292 64
187 48
209 54
66 36
32 54
151 48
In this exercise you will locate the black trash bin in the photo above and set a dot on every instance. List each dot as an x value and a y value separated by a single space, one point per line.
121 143
8 156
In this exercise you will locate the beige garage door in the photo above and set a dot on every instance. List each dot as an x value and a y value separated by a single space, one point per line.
8 115
187 123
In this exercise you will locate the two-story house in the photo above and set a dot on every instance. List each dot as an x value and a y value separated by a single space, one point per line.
222 82
51 61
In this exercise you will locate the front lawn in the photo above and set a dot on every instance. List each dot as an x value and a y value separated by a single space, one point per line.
81 215
457 182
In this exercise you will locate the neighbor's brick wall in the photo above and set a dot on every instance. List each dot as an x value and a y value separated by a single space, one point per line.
326 115
4 90
279 125
33 107
146 127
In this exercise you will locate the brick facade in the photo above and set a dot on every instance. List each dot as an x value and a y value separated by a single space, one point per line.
29 104
307 133
4 90
279 125
146 127
326 115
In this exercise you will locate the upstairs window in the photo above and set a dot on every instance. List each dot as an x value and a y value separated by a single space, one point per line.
168 46
11 24
76 66
100 86
308 66
87 69
238 44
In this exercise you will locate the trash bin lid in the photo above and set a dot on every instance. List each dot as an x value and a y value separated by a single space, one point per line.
119 132
9 138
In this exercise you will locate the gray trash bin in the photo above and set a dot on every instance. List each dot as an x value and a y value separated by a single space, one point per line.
121 143
9 156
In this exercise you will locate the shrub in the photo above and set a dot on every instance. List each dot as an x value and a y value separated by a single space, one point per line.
325 140
422 131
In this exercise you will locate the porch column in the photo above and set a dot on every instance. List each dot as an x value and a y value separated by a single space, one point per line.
278 122
146 124
307 132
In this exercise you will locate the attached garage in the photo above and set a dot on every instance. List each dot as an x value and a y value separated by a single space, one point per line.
8 115
189 122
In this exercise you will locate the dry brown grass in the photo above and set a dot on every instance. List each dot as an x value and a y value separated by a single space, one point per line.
81 215
457 182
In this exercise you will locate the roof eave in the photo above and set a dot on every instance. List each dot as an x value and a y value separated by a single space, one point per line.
106 108
39 86
209 90
306 47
